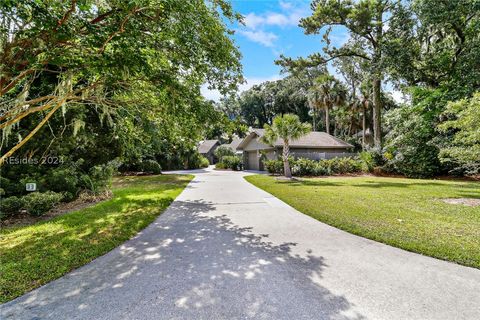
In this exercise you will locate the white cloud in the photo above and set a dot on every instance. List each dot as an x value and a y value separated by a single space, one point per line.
262 37
252 21
286 5
250 82
289 16
277 19
256 23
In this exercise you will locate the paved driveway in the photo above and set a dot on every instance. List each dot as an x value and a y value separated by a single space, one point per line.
227 250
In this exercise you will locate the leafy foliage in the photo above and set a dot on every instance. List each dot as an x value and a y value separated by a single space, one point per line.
10 206
230 162
151 166
37 203
223 151
92 83
204 163
464 151
410 138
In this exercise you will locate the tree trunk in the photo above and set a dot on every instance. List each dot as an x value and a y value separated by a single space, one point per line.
286 164
314 114
364 127
377 113
327 120
377 78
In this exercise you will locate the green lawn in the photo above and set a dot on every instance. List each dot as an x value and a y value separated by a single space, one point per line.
34 255
404 213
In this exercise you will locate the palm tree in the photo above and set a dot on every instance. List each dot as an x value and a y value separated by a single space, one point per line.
286 127
326 94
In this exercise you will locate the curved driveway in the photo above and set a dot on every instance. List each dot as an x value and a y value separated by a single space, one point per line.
225 249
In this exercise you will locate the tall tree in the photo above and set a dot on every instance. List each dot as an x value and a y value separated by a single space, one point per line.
286 127
366 21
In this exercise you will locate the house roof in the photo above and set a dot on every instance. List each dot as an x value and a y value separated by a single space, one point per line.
234 144
207 145
314 139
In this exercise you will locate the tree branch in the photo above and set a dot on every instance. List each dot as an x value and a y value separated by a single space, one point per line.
66 15
32 133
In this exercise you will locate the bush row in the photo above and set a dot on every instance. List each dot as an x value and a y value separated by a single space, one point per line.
307 167
35 203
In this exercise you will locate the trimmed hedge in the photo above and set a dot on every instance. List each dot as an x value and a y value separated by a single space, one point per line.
308 167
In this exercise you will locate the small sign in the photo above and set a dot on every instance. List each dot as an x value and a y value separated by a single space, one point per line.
31 186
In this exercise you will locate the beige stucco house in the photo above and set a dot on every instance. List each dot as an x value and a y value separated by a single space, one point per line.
315 145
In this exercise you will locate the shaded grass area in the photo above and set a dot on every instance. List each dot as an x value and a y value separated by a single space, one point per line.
404 213
34 255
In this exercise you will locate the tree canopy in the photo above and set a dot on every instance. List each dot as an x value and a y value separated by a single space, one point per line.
55 55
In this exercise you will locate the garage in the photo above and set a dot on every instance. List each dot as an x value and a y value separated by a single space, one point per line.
252 160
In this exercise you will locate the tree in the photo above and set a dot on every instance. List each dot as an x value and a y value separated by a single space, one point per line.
433 51
464 149
364 102
366 22
286 127
223 151
56 54
435 43
327 93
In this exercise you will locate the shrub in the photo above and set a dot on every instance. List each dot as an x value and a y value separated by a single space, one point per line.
204 163
10 206
304 167
223 151
220 165
344 165
99 177
273 166
64 179
151 166
322 168
232 162
367 161
37 203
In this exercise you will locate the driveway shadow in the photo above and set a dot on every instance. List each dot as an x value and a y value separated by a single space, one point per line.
190 264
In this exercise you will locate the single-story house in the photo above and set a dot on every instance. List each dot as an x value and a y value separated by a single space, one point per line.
315 145
206 148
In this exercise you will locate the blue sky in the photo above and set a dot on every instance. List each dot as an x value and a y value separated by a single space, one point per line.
271 28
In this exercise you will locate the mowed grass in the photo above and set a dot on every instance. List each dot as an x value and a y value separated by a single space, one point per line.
404 213
34 255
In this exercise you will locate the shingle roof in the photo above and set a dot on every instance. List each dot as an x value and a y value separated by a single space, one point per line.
206 146
314 139
234 144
